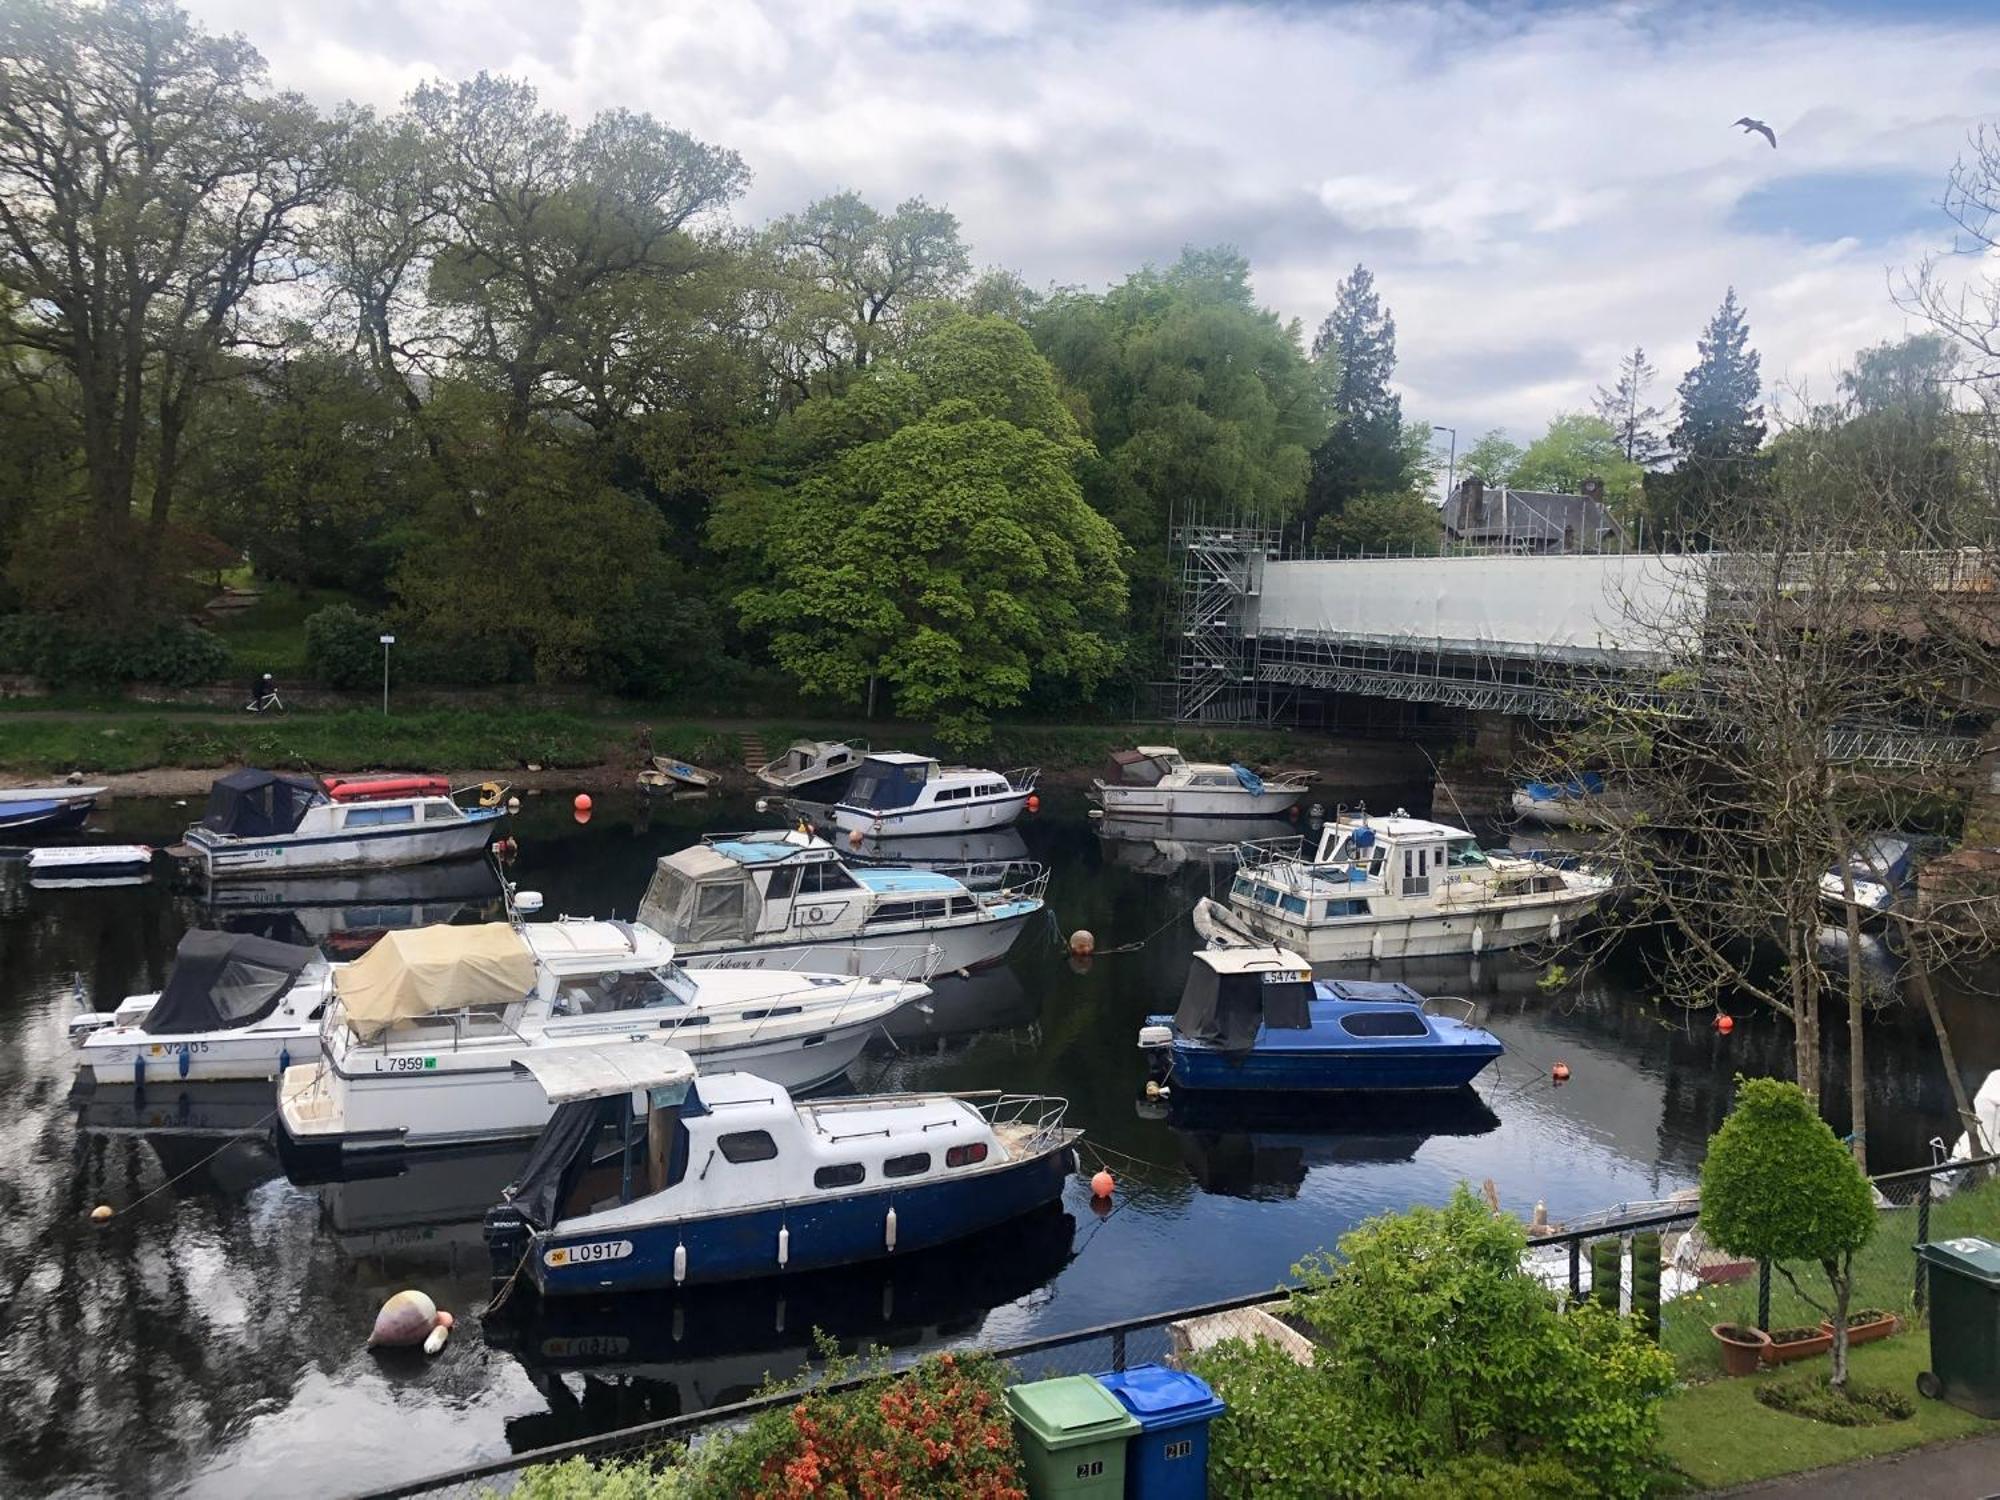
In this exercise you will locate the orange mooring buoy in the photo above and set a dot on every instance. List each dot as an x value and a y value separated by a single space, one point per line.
1560 1072
1101 1185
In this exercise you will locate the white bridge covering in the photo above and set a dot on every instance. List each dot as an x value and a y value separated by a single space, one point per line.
1618 609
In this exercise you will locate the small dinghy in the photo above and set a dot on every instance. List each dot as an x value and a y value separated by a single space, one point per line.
90 864
1254 1019
645 1179
667 774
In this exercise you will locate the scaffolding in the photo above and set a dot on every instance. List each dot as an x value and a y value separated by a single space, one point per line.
1222 568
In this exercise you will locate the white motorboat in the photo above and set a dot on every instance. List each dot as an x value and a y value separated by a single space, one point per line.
46 809
1156 781
1881 871
419 1047
242 1006
895 794
261 823
1586 801
788 900
817 770
1396 887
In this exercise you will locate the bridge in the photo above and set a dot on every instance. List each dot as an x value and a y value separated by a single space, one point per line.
1510 635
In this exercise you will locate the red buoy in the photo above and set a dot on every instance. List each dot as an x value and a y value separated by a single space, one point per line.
1725 1022
1101 1185
1034 803
583 802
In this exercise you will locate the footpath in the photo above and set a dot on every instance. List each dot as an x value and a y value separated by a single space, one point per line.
1965 1470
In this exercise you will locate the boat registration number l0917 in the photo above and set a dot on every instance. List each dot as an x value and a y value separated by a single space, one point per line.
588 1253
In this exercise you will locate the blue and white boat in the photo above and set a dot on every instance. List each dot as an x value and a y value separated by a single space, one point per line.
1881 871
645 1178
261 823
1254 1018
896 795
46 809
785 899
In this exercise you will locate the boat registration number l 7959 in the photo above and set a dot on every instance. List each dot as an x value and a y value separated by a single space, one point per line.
588 1253
404 1064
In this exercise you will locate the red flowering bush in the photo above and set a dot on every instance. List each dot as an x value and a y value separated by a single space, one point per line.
941 1429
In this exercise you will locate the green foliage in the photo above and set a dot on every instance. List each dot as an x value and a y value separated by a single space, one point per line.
63 653
614 1479
1492 458
343 647
1402 523
1778 1185
1716 442
1365 453
1577 447
953 557
1633 420
1811 1397
1486 1476
1285 1431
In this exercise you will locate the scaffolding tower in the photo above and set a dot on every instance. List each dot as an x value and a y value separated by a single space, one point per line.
1222 572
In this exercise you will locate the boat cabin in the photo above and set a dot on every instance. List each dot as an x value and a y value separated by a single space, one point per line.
253 804
1232 993
1148 765
223 980
891 780
806 762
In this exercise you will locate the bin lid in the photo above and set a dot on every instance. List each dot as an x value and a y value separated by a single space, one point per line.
1969 1256
1070 1410
1160 1397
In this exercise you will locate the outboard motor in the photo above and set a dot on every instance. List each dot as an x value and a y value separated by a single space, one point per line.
508 1235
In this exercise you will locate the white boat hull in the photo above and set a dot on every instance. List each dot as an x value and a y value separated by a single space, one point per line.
953 817
224 858
1428 935
132 1056
1197 802
962 946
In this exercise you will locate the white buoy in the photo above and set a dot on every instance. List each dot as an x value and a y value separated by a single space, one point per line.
889 1229
1375 946
1478 939
513 804
680 1263
784 1246
762 804
436 1340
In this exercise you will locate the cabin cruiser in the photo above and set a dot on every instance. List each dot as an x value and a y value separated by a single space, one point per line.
788 900
816 770
1255 1019
262 823
1156 781
894 794
237 1005
648 1178
418 1048
1586 801
1395 887
1880 870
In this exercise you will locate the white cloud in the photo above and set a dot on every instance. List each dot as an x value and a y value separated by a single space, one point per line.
1535 190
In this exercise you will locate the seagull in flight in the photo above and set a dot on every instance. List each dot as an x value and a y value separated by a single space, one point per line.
1758 127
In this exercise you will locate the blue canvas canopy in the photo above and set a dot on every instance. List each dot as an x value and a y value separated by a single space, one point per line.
257 804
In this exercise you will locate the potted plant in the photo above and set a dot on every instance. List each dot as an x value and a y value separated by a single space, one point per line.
1742 1346
1788 1344
1866 1325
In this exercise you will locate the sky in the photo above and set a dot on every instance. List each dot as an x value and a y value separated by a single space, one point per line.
1536 186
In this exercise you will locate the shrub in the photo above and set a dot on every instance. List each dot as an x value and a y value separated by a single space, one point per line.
1492 1478
580 1479
1284 1432
1812 1397
62 653
343 647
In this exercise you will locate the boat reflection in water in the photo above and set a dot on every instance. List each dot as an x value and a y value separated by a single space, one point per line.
423 1210
1244 1146
1164 846
983 858
214 1108
992 999
649 1355
343 915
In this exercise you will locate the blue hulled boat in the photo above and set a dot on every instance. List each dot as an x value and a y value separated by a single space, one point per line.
645 1178
1254 1018
46 809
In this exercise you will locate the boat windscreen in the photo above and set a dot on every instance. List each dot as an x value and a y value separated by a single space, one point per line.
884 784
222 980
258 804
1135 768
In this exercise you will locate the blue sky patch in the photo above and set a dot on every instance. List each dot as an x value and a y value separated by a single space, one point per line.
1870 206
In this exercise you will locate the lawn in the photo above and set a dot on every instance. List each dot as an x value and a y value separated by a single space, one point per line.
1718 1434
270 635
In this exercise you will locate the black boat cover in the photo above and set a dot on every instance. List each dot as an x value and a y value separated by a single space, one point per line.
256 804
561 1157
1228 1008
223 980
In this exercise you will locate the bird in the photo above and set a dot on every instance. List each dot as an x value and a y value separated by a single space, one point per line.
1760 128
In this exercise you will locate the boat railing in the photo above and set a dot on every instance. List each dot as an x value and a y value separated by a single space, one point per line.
1023 880
1042 1114
1023 778
1257 854
1466 1010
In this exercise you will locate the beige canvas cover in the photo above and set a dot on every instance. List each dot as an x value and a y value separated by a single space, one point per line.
429 969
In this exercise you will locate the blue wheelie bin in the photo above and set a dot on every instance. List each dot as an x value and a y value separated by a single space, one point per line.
1167 1458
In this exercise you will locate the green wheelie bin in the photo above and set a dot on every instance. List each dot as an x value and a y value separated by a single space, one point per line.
1073 1434
1965 1324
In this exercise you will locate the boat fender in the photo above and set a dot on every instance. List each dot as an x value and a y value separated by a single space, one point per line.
186 1061
1555 928
680 1265
889 1229
139 1073
1478 939
437 1337
1375 946
784 1245
284 1058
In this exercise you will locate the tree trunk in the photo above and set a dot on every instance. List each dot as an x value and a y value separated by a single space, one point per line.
1857 1070
1840 1274
1920 979
1805 1013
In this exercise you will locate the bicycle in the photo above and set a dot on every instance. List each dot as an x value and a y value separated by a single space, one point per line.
265 699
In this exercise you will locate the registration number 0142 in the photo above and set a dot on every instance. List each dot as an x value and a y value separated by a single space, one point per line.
590 1252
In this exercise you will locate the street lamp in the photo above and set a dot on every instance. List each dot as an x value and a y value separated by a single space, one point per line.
387 642
1451 471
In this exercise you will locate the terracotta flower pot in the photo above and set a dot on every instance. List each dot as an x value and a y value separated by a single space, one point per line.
1804 1343
1742 1346
1878 1325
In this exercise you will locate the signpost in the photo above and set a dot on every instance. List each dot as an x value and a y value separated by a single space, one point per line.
387 642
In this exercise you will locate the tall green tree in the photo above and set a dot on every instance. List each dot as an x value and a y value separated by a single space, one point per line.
1491 459
149 188
1577 447
1717 471
936 539
1624 407
1364 452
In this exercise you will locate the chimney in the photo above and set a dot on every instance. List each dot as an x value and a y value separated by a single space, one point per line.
1592 489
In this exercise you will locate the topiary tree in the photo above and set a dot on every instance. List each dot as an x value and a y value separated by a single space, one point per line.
1778 1185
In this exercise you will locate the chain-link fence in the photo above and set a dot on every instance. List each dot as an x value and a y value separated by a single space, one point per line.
1699 1286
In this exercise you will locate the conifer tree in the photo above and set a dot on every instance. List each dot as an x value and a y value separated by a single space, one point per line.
1716 443
1624 406
1365 453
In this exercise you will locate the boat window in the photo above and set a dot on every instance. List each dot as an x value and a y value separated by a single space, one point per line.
746 1146
773 1010
894 911
838 758
1546 883
914 1165
602 994
1347 908
377 817
1384 1023
1266 895
441 810
1466 854
967 1155
784 880
828 876
847 1174
1240 888
963 906
879 784
1296 905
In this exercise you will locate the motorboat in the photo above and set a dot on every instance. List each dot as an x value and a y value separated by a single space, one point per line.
418 1048
62 866
664 773
648 1178
1164 846
1157 781
264 823
788 900
816 770
1585 801
1255 1019
1395 887
46 809
894 795
1880 869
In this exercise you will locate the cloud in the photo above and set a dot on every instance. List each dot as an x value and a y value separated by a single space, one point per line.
1536 188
